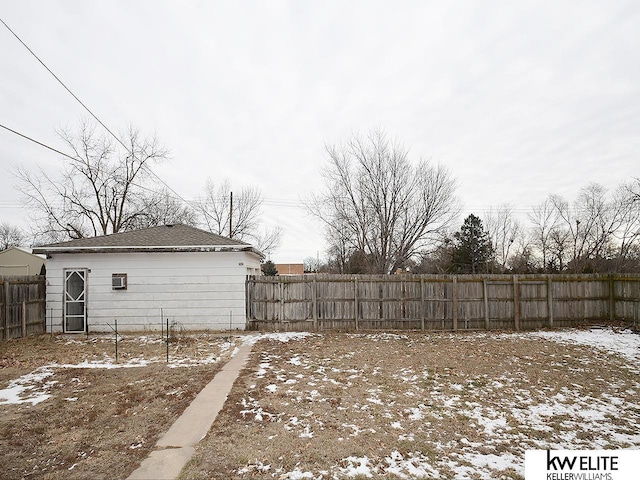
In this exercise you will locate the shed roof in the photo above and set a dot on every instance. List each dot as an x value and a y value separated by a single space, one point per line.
18 251
175 237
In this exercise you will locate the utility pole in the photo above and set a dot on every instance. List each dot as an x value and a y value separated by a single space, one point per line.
231 215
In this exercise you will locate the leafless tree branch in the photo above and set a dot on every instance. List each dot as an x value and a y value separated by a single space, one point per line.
375 201
98 192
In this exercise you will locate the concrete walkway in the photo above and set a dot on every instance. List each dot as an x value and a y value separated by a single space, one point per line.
175 448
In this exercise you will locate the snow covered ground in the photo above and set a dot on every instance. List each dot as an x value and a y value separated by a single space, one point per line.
623 342
503 415
33 387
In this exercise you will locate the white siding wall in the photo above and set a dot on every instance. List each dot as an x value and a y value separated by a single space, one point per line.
199 290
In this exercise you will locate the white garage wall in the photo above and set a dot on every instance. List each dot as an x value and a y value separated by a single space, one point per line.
198 290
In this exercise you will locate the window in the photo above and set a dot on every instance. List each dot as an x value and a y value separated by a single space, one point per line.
119 281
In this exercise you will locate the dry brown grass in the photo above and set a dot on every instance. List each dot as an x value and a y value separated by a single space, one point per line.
98 423
443 402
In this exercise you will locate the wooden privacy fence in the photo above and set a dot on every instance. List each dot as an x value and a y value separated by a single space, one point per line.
439 302
22 306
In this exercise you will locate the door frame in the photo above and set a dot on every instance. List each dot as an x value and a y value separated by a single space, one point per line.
66 274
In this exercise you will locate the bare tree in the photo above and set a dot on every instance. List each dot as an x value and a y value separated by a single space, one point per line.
559 249
627 236
237 215
266 240
99 189
341 246
379 204
599 219
311 264
633 190
10 236
164 208
591 225
234 217
546 220
522 260
503 230
596 228
569 234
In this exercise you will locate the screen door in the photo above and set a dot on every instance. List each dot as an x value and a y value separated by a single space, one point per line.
75 300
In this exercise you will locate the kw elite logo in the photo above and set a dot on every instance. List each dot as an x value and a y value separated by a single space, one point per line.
586 467
582 465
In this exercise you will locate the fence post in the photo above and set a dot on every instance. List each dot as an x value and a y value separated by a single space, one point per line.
24 319
486 303
584 301
454 302
355 302
247 302
281 288
314 302
42 311
403 304
115 321
550 300
612 298
6 309
422 306
516 303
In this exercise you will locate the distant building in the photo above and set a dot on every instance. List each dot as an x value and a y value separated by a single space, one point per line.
290 268
16 261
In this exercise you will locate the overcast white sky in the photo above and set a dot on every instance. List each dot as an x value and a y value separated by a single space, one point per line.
519 99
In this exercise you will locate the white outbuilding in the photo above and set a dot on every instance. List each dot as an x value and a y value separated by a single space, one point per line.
142 278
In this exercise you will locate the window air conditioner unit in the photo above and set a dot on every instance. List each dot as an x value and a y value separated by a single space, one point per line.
119 281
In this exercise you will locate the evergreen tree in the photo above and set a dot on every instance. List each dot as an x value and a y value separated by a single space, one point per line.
269 269
359 262
472 250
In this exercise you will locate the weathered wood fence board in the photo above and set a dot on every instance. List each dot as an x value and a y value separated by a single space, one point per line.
22 306
439 302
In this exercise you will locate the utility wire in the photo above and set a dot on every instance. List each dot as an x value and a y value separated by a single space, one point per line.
268 201
279 202
88 110
36 141
62 83
273 202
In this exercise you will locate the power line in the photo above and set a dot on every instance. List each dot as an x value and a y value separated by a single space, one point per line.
62 83
36 141
269 201
88 110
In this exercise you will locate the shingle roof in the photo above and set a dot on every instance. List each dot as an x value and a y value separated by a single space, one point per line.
180 237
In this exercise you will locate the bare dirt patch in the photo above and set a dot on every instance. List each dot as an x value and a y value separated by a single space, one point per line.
415 405
83 415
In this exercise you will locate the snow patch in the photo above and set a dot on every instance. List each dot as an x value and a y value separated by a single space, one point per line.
29 388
